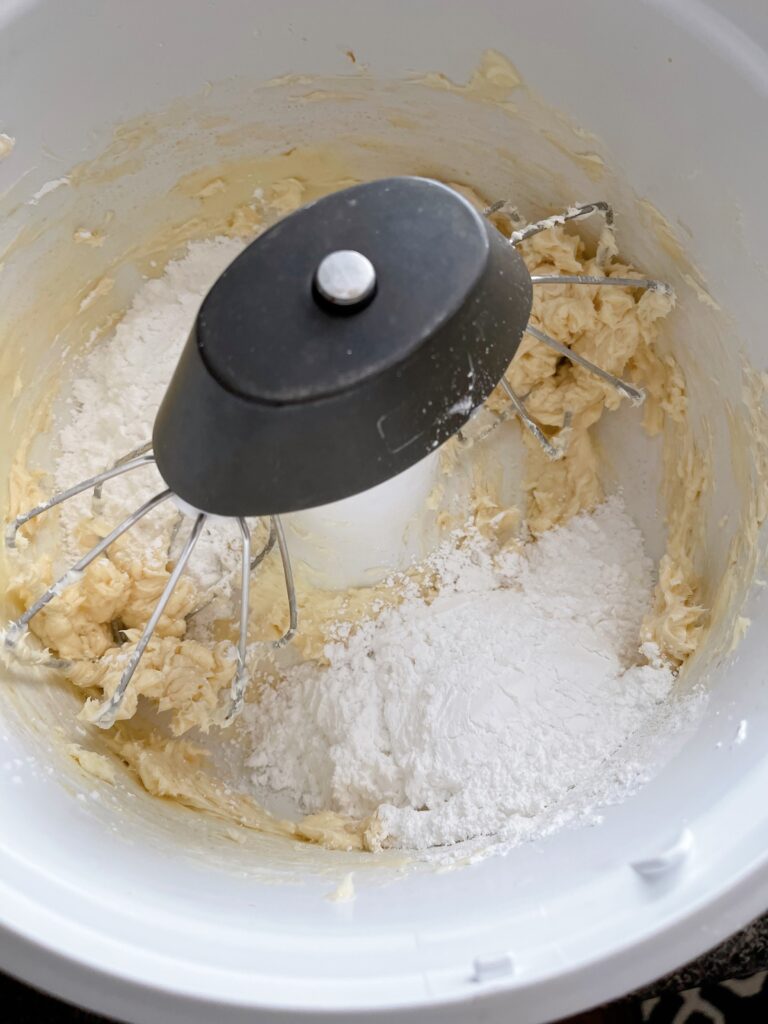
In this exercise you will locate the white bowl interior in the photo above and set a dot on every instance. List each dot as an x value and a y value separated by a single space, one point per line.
125 885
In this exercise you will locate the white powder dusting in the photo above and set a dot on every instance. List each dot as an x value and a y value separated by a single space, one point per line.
114 398
483 712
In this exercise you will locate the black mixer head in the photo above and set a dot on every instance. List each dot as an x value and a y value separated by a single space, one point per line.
345 344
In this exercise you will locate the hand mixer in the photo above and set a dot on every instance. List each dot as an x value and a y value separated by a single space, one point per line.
345 344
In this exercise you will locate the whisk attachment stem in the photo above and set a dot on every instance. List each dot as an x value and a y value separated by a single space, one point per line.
111 707
85 485
290 588
71 576
635 395
551 449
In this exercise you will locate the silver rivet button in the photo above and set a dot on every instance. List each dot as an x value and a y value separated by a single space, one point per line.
345 277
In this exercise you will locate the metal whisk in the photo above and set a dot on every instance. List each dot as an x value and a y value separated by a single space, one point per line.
341 347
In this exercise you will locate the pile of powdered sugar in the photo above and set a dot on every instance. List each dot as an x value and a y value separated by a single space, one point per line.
484 712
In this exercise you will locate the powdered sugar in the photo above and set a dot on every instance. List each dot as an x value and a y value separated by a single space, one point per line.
113 399
483 712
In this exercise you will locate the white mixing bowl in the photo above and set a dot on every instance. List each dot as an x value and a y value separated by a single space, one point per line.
149 912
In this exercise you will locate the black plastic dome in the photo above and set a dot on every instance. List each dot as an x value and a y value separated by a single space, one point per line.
285 400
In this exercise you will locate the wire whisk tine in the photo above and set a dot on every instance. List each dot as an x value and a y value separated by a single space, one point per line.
555 449
135 453
646 283
506 207
256 560
635 395
105 717
17 628
576 212
290 588
552 449
267 548
247 566
85 485
240 680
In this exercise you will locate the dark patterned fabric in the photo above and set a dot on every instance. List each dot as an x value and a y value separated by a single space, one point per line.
738 1001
